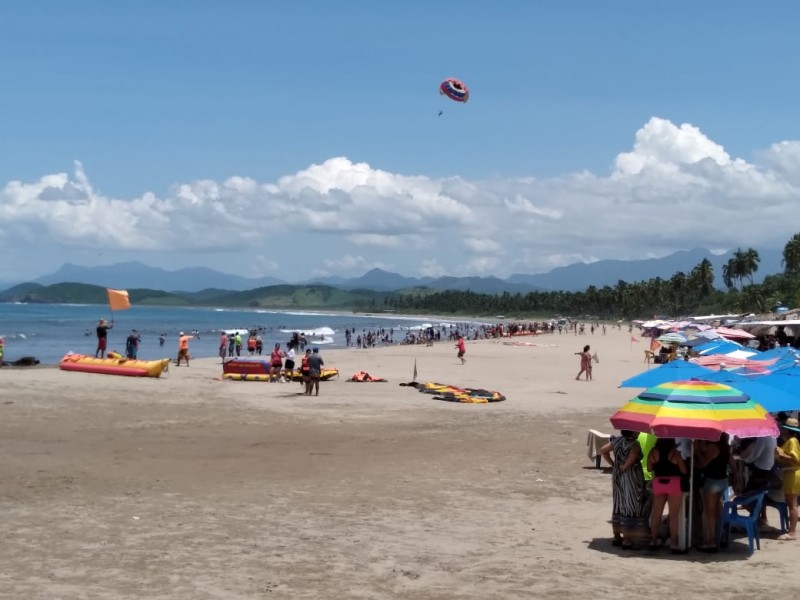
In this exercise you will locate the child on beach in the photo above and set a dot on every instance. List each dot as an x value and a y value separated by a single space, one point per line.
586 363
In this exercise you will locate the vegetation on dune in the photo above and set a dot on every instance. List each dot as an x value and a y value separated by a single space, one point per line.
683 293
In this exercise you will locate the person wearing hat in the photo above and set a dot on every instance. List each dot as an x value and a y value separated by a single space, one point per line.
315 363
183 348
788 457
102 337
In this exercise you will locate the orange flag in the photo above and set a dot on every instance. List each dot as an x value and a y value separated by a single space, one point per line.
633 339
118 299
654 345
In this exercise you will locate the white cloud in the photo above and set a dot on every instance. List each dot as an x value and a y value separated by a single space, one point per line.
261 265
483 265
431 268
674 189
386 241
522 205
348 265
483 245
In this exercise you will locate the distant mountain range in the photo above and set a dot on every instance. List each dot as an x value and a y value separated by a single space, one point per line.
137 275
575 277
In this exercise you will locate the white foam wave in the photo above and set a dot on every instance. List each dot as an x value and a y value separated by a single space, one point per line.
312 333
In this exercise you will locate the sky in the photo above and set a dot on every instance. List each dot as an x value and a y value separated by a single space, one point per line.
303 139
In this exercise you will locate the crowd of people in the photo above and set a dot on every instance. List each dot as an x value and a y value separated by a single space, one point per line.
649 474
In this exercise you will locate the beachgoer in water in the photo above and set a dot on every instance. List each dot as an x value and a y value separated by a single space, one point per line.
132 345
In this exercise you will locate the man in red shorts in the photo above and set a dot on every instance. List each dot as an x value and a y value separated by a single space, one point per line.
102 337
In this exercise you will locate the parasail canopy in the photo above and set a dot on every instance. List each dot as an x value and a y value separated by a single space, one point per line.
454 89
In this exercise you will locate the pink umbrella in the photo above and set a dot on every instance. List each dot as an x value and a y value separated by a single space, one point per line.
734 333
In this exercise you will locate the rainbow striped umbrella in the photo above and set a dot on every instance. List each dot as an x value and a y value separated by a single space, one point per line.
695 409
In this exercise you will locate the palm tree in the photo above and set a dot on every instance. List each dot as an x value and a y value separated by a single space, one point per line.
703 277
749 263
791 256
728 274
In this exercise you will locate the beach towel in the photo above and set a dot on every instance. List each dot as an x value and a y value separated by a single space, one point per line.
594 441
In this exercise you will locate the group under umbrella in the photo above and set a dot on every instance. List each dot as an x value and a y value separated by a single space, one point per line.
695 409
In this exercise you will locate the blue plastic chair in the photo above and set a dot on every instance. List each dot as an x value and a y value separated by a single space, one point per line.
783 512
748 522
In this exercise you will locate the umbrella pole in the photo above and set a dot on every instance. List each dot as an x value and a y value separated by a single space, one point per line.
691 499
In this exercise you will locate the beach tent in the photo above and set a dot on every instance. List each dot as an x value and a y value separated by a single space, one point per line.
771 397
725 347
672 371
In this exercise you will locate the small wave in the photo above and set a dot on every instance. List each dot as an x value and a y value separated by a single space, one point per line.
235 331
310 333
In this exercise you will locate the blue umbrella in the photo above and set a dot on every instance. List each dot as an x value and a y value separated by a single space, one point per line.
759 388
782 353
677 370
785 380
719 348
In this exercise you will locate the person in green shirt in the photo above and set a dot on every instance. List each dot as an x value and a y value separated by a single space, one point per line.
647 441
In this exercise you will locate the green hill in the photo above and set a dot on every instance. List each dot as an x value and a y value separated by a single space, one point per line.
82 293
275 297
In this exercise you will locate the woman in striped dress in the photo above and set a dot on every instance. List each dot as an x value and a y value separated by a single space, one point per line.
628 518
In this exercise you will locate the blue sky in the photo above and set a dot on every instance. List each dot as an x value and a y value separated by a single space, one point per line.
164 102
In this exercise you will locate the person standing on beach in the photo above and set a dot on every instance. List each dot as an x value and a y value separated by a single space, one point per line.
102 337
223 345
586 363
288 365
315 363
305 370
462 349
276 364
183 347
788 456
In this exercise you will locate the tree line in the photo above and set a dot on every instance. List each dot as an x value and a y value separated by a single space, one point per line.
681 294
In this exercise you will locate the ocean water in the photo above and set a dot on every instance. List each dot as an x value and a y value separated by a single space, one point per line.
48 331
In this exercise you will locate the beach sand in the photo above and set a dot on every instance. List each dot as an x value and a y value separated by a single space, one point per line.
193 487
